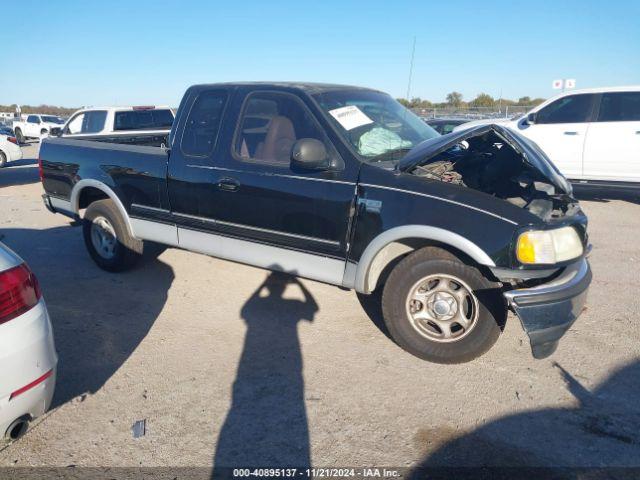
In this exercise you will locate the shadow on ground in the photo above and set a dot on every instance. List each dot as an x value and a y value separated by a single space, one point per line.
21 172
372 306
595 194
99 319
266 425
601 432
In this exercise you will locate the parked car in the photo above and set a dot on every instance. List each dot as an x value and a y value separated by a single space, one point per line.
9 149
27 353
36 126
8 131
142 125
592 135
445 125
345 186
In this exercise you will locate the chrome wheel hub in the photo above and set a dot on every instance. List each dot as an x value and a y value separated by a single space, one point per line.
103 237
442 308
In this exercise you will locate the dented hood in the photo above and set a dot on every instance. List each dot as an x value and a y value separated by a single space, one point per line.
532 154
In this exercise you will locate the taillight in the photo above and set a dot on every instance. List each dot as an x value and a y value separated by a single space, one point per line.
19 292
40 169
13 140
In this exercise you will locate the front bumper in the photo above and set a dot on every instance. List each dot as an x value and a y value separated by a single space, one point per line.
548 310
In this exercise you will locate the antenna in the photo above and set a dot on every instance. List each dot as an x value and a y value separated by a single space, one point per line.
413 53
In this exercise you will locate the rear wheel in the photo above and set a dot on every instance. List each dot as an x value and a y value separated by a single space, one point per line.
3 159
19 137
107 239
440 309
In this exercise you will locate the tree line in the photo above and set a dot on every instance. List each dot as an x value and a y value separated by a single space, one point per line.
45 109
453 100
456 100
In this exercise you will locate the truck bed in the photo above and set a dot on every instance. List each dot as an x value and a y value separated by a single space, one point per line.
149 140
135 163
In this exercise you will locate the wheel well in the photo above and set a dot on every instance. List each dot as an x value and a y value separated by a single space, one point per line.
88 195
392 253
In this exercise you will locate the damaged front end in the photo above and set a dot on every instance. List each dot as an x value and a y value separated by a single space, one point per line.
548 310
546 285
498 162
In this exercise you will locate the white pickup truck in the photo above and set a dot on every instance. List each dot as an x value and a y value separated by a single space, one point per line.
111 123
591 135
37 126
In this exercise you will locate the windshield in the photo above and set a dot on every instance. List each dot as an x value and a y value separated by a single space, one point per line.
378 127
52 119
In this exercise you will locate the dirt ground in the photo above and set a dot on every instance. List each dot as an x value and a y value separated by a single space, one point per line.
229 369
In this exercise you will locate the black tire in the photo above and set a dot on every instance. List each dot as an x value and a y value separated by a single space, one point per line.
3 159
126 251
19 137
432 261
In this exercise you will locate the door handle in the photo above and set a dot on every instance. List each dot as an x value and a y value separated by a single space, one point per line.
638 132
228 184
571 133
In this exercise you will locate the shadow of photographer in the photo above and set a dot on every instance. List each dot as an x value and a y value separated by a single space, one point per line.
267 422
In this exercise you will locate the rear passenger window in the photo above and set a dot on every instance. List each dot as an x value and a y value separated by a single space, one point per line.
620 107
571 109
94 121
203 123
271 124
143 119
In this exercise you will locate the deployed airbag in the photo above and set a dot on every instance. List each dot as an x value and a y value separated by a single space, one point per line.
379 140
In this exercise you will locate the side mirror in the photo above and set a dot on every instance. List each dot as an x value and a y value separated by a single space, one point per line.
55 132
531 118
310 154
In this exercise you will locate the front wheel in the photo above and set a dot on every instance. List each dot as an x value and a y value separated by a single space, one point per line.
440 309
19 136
3 159
107 239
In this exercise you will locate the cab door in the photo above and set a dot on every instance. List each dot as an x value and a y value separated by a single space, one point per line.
32 126
560 129
266 199
194 169
612 148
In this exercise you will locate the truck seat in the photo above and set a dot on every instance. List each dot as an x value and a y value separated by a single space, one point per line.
278 142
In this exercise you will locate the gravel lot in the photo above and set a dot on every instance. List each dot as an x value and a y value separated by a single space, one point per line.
222 373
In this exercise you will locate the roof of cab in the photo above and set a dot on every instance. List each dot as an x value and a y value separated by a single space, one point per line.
309 87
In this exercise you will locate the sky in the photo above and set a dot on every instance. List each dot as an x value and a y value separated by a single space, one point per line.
81 53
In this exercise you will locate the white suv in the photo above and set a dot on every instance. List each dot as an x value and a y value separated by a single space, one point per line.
591 135
118 121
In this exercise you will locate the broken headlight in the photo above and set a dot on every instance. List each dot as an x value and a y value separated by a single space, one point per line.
548 246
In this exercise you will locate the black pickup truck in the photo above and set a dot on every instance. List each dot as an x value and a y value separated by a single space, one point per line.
344 185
